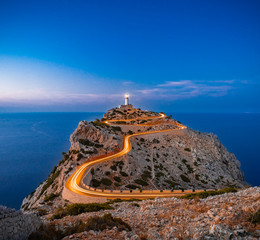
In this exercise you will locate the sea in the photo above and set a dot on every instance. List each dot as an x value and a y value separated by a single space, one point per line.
32 143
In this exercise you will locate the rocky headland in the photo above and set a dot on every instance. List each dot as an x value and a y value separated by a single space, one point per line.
179 159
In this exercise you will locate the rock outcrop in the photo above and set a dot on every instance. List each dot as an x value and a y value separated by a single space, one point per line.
15 225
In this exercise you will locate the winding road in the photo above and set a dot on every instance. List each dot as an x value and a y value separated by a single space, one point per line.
75 181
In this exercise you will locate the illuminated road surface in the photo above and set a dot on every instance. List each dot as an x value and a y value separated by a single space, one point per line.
75 182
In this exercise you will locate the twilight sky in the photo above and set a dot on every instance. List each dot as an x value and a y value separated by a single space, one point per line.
182 56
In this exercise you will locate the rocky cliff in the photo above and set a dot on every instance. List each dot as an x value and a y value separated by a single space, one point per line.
180 159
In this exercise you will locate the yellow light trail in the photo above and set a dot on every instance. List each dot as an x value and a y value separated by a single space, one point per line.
75 182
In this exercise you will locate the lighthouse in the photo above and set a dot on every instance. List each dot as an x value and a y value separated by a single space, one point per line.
127 99
126 105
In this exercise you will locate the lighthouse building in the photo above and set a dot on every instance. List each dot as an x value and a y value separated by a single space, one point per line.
127 105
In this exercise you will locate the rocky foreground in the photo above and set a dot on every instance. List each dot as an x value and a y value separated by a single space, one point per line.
220 217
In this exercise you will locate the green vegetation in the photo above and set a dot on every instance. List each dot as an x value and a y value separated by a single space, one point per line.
118 200
141 182
124 174
50 197
49 182
255 217
78 208
92 171
106 181
132 186
113 167
208 193
187 149
171 183
134 204
86 142
79 156
116 178
107 221
42 212
184 178
156 141
146 175
130 132
116 128
95 183
107 173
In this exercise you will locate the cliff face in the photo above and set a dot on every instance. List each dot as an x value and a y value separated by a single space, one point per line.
171 160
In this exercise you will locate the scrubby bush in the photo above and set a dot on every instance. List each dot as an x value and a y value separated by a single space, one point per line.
116 178
124 174
131 186
95 183
187 149
78 208
107 221
146 175
106 181
141 182
113 167
184 178
116 128
42 212
107 173
86 142
50 197
134 204
118 200
206 194
255 217
49 182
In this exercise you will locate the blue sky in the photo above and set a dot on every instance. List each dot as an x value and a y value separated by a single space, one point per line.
183 56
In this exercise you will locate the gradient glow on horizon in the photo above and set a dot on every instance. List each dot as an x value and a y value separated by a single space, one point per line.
183 56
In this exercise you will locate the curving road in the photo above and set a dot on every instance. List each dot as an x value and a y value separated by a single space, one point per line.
76 185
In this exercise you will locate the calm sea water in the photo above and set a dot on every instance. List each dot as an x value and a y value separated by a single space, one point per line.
31 144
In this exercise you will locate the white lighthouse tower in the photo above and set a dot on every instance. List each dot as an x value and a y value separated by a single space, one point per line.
126 99
127 105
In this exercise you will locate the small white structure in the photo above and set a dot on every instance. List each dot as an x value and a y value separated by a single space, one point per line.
127 99
127 105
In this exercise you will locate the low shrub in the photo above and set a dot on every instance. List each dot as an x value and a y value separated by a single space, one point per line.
141 182
107 173
134 204
116 178
106 181
132 186
206 194
116 128
184 178
49 182
124 174
86 142
78 208
42 212
95 183
113 167
107 221
118 200
255 217
187 149
50 197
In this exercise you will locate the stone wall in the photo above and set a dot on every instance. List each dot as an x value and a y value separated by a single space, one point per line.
14 225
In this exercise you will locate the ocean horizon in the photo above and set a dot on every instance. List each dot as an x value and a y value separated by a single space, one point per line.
32 143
